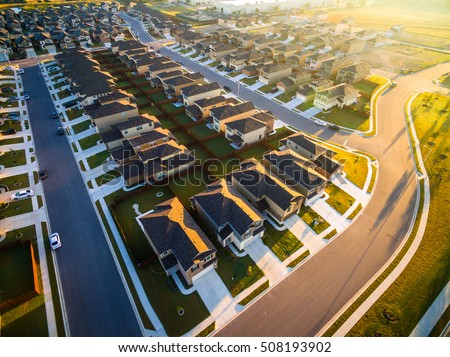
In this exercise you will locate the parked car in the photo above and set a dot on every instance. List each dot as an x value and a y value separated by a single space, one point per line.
219 66
19 195
13 98
334 127
320 122
26 97
9 132
274 90
55 241
43 174
226 88
60 131
21 71
393 84
54 115
70 103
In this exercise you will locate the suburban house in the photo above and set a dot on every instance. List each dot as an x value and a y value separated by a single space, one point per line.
264 42
245 131
285 51
265 191
353 46
166 66
173 86
315 61
196 92
240 59
331 67
230 112
201 108
228 214
354 73
272 73
296 171
121 47
340 95
219 50
157 82
293 81
178 241
44 40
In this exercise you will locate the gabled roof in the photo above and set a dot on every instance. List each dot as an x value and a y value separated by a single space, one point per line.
199 89
245 125
224 204
149 137
171 227
307 144
228 111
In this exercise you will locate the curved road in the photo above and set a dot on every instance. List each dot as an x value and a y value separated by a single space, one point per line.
304 302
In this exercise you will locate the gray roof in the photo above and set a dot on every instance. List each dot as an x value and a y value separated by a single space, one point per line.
98 111
146 137
171 227
307 144
158 151
245 125
206 102
228 111
199 89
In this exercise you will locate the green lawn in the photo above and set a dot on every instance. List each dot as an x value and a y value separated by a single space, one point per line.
9 124
60 84
107 177
11 141
168 123
305 106
150 111
140 81
123 84
267 88
340 200
89 141
355 166
182 137
188 185
15 208
254 294
213 64
80 127
134 91
445 80
201 131
286 96
199 152
12 158
28 233
365 86
428 271
170 108
372 179
219 146
235 74
204 59
207 331
309 216
64 94
219 168
346 118
299 259
98 159
282 243
15 182
157 97
183 118
142 100
249 80
256 152
74 113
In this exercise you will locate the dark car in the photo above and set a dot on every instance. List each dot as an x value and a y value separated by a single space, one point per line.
219 66
70 103
9 132
334 127
60 131
43 174
54 115
226 88
274 90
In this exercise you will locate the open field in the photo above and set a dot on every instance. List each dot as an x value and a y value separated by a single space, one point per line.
428 271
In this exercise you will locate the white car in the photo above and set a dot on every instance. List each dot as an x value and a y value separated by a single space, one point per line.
19 195
320 122
21 71
55 242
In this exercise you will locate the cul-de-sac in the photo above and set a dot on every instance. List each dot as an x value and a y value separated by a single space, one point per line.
224 168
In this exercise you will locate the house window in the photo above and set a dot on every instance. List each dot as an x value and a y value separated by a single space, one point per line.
209 257
166 253
139 127
125 131
194 267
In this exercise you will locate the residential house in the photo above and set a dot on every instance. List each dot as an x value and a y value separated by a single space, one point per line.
245 131
107 114
196 92
292 82
338 96
265 191
331 67
172 87
228 214
272 73
230 112
201 108
353 46
297 172
264 42
285 51
219 50
44 41
158 81
315 61
353 73
122 47
178 241
157 68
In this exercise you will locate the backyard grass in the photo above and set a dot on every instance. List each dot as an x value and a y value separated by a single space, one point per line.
199 152
255 293
9 124
74 113
355 212
256 152
168 123
201 131
282 133
188 185
15 208
299 259
150 111
249 80
267 88
330 235
15 182
183 118
282 243
89 141
170 108
124 84
142 100
219 168
97 159
428 271
80 127
313 219
219 146
366 87
340 200
140 81
12 158
11 141
157 97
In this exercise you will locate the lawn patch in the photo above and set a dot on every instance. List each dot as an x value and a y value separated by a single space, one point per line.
150 111
254 294
107 177
266 88
170 108
282 243
330 235
182 137
98 159
340 200
13 158
201 131
346 118
183 119
80 127
313 219
157 97
355 166
219 146
207 331
299 259
15 208
9 124
188 185
355 212
11 141
89 141
74 113
15 182
256 152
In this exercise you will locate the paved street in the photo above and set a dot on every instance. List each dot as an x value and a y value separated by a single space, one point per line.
95 298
